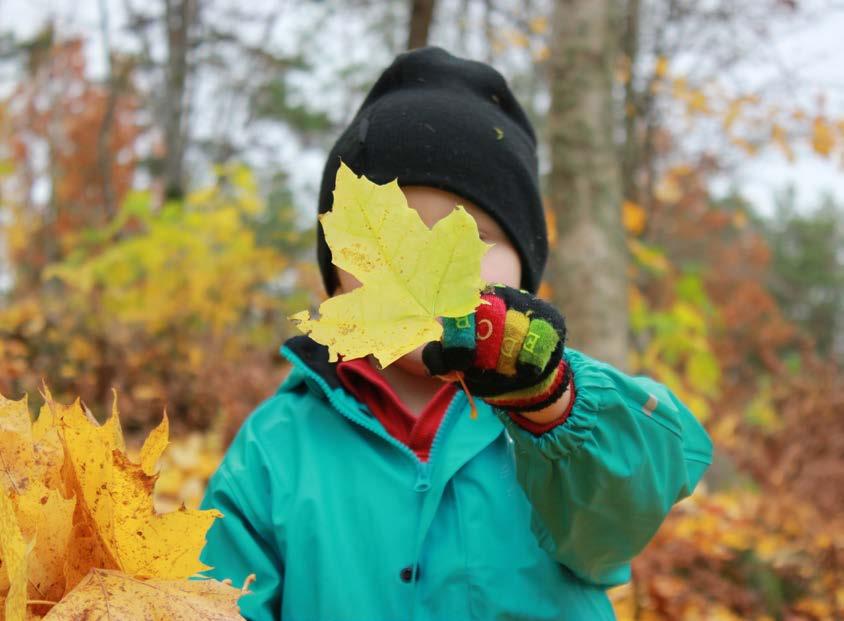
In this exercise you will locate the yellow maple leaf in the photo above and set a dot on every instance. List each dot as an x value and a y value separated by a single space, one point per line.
17 457
48 451
154 445
72 503
13 550
410 274
84 551
47 519
117 525
111 595
31 456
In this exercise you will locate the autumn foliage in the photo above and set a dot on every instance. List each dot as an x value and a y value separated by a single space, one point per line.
760 539
78 531
110 281
170 302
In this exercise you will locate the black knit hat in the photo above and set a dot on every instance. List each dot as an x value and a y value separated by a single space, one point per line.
436 120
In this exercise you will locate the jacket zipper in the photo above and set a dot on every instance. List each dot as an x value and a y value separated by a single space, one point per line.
423 469
423 478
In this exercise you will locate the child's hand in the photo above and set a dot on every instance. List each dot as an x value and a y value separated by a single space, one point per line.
510 350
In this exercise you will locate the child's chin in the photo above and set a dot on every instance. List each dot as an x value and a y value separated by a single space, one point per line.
412 363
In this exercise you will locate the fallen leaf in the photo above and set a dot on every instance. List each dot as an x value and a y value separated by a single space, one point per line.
104 594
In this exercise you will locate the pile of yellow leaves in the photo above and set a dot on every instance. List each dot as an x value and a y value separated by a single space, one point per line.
79 537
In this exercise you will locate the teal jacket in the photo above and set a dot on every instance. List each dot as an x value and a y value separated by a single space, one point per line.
340 521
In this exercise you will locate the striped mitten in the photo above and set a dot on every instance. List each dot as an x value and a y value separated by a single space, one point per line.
509 350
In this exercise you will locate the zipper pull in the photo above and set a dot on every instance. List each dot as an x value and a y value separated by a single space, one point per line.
423 477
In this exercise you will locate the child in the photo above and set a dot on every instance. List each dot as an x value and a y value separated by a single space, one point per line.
371 494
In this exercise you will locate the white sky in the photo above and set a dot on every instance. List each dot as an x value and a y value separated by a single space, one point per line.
809 59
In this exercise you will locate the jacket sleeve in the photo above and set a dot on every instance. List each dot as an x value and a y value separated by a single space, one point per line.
241 542
602 482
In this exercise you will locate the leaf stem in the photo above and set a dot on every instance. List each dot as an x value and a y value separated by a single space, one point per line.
468 396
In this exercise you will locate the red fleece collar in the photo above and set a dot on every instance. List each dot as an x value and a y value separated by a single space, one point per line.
417 432
372 389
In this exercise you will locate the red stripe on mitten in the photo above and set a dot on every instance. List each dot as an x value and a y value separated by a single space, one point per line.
489 331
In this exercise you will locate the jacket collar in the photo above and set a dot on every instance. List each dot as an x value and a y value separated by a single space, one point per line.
314 355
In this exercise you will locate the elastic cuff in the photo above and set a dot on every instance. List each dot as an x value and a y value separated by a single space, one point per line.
564 439
552 396
538 429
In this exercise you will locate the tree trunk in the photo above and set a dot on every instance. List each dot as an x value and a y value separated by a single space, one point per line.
588 270
179 17
630 146
421 13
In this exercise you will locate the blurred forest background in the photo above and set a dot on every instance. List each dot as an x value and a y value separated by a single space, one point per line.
159 163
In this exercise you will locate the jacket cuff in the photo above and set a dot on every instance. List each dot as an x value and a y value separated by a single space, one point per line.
538 429
565 436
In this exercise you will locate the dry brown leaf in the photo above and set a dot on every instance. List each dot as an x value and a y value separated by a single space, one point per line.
106 594
84 551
